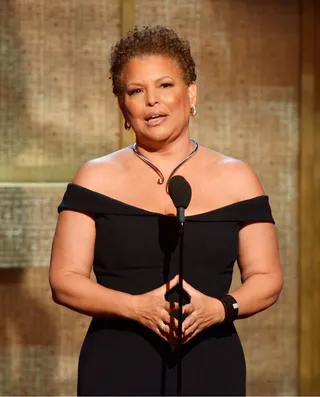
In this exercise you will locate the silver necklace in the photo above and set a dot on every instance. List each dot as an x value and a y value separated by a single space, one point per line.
156 169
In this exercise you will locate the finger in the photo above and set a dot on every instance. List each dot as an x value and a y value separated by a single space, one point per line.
167 333
167 337
188 322
169 285
186 339
164 328
174 323
187 287
173 341
191 329
187 309
172 306
170 320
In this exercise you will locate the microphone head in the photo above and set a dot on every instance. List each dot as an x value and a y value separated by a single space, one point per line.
180 191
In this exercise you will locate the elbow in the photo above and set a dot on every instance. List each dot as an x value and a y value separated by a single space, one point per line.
278 286
274 299
56 297
56 293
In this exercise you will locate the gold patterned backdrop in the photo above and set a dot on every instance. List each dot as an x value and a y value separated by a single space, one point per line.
57 111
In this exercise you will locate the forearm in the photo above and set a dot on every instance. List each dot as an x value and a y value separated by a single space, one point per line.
257 293
86 296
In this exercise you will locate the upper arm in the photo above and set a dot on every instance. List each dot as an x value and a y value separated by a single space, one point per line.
258 245
258 251
74 238
73 246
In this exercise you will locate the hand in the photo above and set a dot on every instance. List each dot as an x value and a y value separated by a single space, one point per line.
153 311
202 312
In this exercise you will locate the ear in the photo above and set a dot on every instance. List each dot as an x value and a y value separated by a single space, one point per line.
192 92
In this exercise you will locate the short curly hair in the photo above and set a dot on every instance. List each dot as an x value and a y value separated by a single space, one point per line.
150 40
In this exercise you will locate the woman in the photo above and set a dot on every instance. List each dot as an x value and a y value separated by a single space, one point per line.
118 216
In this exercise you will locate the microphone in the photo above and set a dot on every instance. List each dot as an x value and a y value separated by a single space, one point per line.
180 193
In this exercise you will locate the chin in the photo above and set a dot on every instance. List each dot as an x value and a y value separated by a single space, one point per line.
156 135
161 138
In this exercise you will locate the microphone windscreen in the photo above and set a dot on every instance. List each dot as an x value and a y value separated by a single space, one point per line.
180 191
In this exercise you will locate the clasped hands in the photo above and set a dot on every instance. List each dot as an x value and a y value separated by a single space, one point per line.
154 311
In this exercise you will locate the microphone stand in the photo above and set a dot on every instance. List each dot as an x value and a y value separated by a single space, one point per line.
181 218
180 193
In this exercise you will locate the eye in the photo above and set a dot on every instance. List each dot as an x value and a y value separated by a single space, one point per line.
166 85
136 91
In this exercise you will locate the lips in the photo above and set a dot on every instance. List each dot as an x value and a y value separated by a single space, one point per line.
154 116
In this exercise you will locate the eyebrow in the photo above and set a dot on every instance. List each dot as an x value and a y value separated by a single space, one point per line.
160 78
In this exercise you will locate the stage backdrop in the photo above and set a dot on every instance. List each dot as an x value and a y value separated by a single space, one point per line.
57 111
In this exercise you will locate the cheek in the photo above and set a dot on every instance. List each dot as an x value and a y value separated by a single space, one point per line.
177 101
182 107
133 108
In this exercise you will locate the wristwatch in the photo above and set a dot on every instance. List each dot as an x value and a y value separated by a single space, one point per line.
231 308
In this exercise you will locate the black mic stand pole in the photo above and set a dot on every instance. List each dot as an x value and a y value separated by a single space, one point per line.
180 193
181 218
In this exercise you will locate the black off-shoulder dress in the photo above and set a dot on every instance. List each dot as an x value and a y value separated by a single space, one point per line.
136 251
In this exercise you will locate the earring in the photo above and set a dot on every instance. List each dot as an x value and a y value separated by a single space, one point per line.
193 111
127 125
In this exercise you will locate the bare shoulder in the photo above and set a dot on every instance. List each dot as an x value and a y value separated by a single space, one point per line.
243 178
95 173
237 176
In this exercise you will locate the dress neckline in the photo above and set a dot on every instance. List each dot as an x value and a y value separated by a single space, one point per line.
148 212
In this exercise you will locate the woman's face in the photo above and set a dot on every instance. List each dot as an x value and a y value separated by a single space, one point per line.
156 101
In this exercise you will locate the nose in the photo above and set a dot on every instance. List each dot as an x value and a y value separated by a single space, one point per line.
151 98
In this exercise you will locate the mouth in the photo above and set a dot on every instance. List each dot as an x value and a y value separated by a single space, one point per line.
155 118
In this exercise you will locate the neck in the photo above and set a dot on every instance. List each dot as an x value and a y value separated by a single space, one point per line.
166 155
166 174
